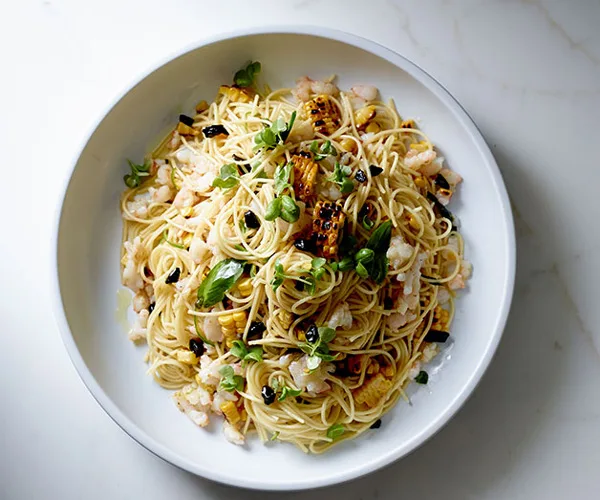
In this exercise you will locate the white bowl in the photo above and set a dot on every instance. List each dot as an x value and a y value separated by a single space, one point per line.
88 235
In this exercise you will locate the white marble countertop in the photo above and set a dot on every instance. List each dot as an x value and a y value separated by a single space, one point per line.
528 72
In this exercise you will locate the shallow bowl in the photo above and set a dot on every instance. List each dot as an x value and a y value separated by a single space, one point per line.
88 233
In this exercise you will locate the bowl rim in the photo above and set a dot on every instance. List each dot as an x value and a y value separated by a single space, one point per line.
459 399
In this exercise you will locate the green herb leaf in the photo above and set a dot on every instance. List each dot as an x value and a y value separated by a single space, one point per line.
367 223
361 270
219 280
326 334
379 242
364 255
273 209
274 436
341 177
318 262
245 77
165 239
282 177
240 350
199 332
335 431
324 151
276 134
422 377
346 264
229 381
290 212
133 180
229 177
287 391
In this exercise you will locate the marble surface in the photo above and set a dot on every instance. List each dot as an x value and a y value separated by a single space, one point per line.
529 74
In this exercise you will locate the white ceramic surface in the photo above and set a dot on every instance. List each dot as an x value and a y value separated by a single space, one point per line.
88 256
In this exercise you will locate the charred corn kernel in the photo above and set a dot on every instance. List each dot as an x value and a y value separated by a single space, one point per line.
354 364
408 124
198 379
349 145
231 412
229 342
373 367
186 211
187 357
363 116
421 182
441 319
286 318
327 224
226 320
245 287
419 146
236 94
301 336
387 370
239 316
371 392
324 114
445 192
305 176
373 128
184 129
244 415
201 106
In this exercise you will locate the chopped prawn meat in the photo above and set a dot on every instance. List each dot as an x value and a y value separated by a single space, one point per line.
138 329
232 434
307 87
312 381
341 317
365 92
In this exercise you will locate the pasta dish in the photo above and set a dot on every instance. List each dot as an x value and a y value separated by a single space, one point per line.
293 261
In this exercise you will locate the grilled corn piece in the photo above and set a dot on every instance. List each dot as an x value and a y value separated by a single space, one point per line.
441 319
373 128
324 114
201 106
185 356
236 94
371 392
408 124
363 116
305 176
245 287
233 324
185 129
286 318
420 146
327 224
231 412
349 145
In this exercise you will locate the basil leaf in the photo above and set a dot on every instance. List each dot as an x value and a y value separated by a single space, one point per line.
335 431
379 242
228 177
314 147
219 280
273 209
282 176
